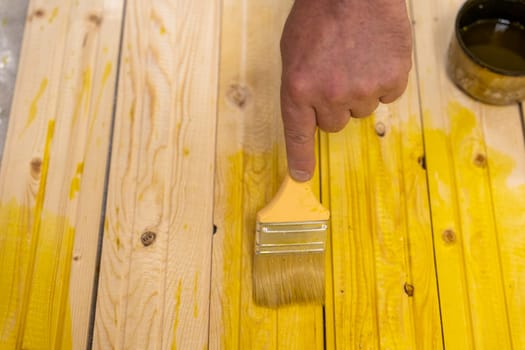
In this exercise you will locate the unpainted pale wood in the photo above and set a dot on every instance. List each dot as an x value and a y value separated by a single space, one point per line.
61 114
155 273
469 269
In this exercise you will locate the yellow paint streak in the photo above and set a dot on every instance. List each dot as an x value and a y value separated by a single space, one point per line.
177 311
105 77
107 73
75 182
162 30
186 152
54 14
33 107
195 295
83 95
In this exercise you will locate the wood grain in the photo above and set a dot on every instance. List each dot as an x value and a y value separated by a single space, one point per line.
154 286
61 115
469 268
250 165
384 285
505 151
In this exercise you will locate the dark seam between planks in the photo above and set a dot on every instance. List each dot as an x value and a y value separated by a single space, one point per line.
418 85
94 294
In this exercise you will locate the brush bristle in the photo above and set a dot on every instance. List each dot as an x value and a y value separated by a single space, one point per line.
282 279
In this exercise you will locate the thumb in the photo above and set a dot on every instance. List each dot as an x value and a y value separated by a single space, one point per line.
299 131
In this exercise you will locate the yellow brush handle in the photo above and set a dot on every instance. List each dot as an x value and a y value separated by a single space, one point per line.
294 202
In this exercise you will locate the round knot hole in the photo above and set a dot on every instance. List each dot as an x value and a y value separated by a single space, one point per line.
480 160
449 236
380 129
147 238
409 289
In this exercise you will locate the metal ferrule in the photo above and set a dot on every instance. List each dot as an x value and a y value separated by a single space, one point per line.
290 237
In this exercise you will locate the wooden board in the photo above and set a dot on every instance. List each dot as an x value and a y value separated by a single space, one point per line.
250 164
53 172
471 227
156 256
383 269
427 195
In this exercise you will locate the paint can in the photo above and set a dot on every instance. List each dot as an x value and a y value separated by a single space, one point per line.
486 56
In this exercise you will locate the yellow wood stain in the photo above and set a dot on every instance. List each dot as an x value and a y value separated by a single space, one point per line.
244 324
33 107
186 152
195 295
35 309
83 95
465 176
75 182
53 15
162 30
105 77
231 228
178 295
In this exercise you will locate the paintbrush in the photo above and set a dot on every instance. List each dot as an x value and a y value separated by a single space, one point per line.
290 237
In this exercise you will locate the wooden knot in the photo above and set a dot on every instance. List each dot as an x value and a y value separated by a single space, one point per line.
380 129
422 162
94 18
448 236
238 95
39 13
36 167
147 238
480 160
409 289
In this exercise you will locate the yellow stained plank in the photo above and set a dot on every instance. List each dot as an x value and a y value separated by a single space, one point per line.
156 256
383 270
60 118
250 164
505 150
473 299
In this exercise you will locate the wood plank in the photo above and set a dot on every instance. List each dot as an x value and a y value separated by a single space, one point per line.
154 287
473 303
61 114
383 269
250 164
329 306
505 150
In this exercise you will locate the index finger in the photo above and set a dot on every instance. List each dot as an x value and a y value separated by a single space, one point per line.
299 130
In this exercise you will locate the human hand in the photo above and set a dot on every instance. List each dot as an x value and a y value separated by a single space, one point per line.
340 59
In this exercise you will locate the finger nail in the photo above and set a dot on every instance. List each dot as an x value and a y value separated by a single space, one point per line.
300 175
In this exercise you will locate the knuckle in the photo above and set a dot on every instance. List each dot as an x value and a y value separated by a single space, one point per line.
332 125
297 137
362 90
335 89
297 85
